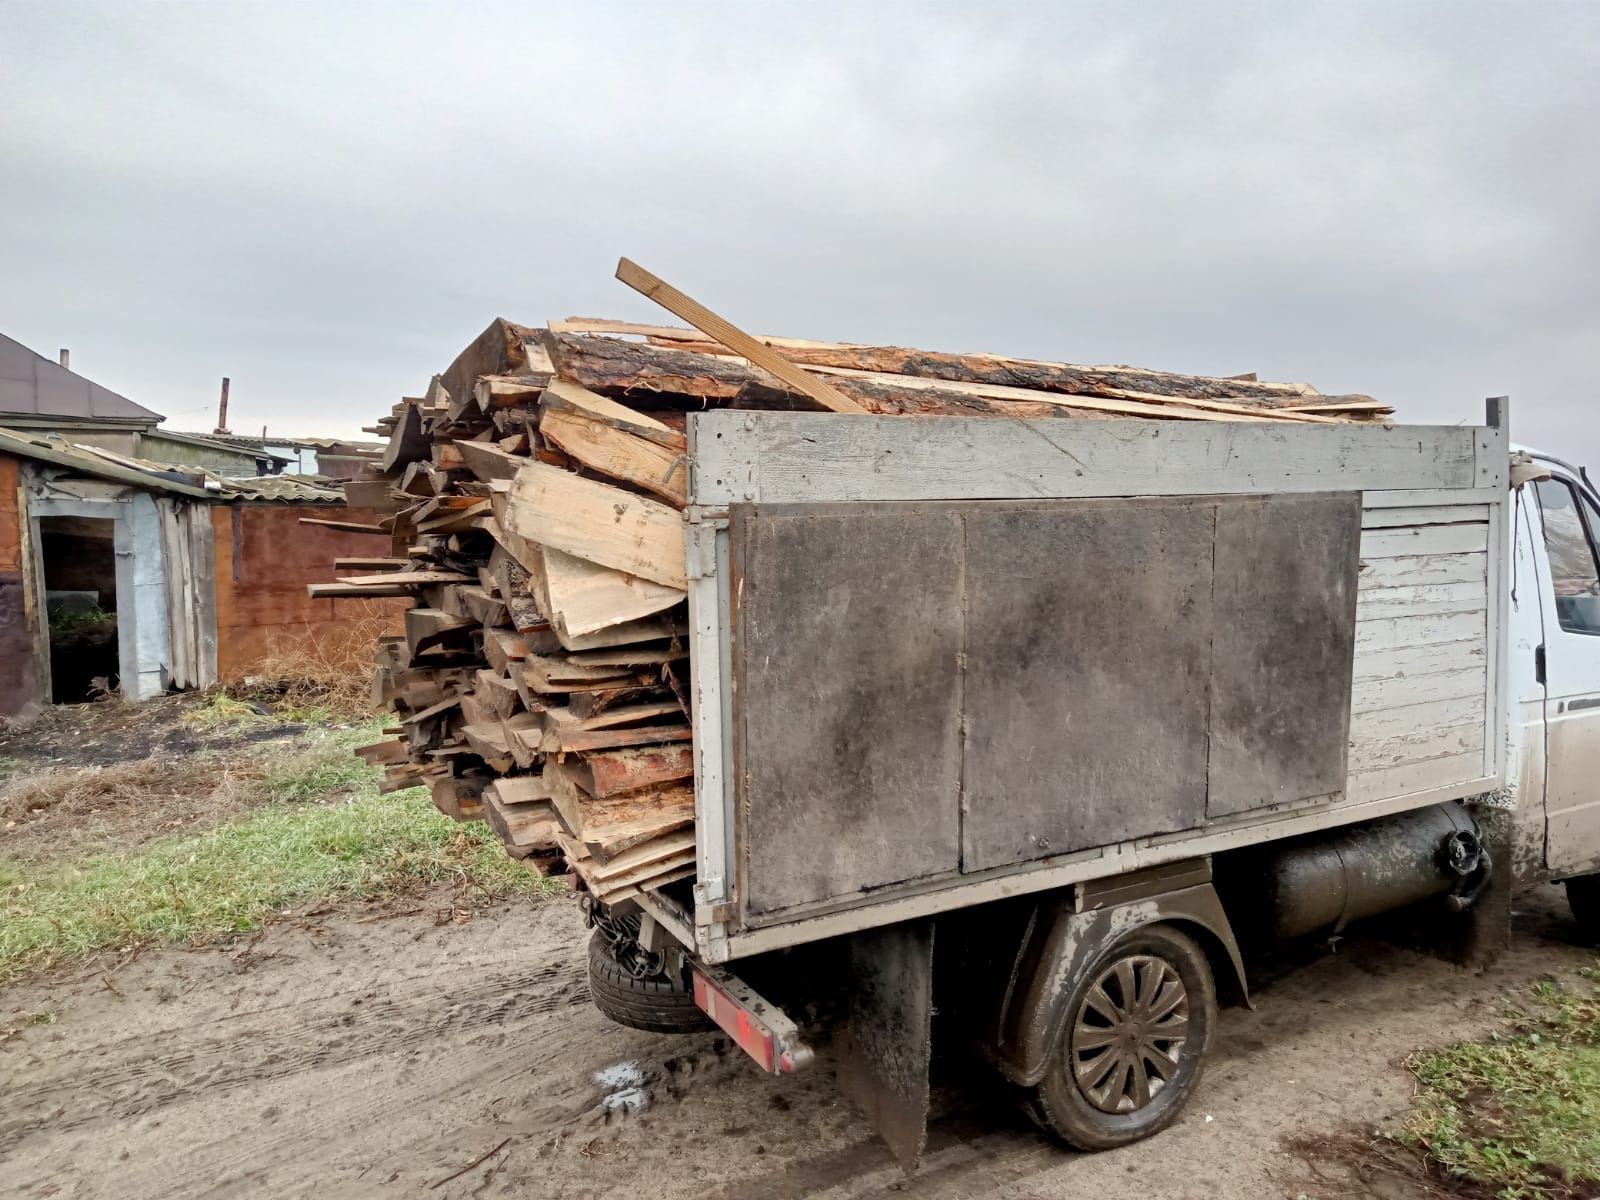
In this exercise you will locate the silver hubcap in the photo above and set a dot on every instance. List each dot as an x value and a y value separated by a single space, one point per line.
1128 1033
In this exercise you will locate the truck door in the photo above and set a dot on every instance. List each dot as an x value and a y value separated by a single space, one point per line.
1571 603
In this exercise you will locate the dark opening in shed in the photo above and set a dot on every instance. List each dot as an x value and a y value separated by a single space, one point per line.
80 578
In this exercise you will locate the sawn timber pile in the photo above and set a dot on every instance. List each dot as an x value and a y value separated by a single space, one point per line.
533 497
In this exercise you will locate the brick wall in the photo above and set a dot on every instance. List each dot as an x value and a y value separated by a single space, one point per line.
264 559
19 679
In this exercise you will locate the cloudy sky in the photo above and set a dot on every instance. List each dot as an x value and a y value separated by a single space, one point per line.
327 202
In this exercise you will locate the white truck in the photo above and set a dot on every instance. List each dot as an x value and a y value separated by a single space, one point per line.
1064 711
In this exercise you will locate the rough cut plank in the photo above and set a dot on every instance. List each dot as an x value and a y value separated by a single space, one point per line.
1112 401
586 597
741 343
344 526
620 455
990 368
649 630
570 740
522 789
570 398
629 714
661 849
597 522
489 462
618 890
363 591
619 771
406 578
606 842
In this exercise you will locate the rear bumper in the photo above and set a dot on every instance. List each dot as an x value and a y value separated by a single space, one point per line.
758 1026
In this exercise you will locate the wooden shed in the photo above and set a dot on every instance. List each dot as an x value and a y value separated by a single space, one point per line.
119 574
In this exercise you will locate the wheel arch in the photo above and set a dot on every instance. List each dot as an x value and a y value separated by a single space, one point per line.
1068 931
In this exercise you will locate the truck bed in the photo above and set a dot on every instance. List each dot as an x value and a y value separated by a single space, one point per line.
1272 702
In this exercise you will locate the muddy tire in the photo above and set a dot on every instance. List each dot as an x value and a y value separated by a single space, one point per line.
662 1004
1130 1052
1583 898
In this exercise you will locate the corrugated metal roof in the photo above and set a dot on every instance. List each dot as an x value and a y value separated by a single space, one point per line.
36 386
249 447
201 485
305 489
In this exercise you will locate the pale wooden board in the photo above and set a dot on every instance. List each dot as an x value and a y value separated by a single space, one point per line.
573 397
778 457
1429 657
1416 746
585 597
709 323
597 522
1415 777
1417 570
1421 600
619 454
1374 695
1389 633
1431 514
1429 715
1424 539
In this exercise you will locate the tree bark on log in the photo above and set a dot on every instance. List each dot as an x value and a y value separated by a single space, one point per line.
1001 370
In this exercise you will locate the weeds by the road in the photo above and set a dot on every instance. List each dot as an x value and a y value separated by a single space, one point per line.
1518 1115
319 830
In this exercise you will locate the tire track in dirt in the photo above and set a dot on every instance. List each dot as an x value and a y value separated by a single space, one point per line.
174 1065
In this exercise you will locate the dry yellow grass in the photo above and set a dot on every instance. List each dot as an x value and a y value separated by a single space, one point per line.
325 669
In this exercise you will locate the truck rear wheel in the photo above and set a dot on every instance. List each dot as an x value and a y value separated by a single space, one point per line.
1130 1053
660 1003
1583 897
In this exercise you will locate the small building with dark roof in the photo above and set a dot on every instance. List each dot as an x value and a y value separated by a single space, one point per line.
123 576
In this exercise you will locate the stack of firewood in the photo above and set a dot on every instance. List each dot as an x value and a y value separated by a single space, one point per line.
532 498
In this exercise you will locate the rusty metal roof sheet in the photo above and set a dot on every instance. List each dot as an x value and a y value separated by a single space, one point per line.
301 489
35 386
198 484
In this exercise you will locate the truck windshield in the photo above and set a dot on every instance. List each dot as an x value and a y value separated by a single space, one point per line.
1570 523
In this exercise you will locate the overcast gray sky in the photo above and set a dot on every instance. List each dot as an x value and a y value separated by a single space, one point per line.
327 202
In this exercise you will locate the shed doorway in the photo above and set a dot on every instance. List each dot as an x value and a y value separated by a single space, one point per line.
80 585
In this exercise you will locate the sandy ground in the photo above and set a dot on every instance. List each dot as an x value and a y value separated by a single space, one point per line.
359 1053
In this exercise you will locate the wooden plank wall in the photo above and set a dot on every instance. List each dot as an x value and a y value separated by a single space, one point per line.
1417 712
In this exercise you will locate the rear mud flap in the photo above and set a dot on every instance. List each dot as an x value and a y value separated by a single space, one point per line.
887 1046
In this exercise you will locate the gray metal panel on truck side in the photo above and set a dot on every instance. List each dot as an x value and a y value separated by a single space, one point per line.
1430 629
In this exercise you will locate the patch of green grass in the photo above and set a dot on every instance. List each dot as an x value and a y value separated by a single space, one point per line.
1518 1115
221 711
352 842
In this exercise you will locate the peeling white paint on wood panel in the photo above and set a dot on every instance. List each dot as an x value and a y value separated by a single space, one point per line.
1424 539
1429 715
1416 747
1400 690
1419 569
1389 633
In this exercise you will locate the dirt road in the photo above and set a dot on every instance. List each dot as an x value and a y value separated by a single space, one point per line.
362 1054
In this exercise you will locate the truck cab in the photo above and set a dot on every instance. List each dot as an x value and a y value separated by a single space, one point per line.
1554 675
